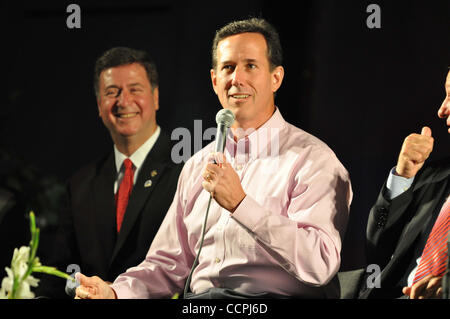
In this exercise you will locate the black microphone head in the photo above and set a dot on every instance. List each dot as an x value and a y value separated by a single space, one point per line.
225 117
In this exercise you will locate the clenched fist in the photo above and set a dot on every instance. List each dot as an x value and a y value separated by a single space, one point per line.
415 150
223 183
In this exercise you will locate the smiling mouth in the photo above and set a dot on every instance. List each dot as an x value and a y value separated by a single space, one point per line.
126 115
239 96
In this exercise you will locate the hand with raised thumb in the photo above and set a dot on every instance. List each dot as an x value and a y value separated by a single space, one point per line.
415 150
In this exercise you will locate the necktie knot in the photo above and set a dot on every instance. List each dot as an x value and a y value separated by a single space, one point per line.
128 164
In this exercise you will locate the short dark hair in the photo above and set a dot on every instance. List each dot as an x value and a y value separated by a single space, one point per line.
122 56
258 25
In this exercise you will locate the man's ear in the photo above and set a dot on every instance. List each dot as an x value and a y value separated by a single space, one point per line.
277 78
214 80
98 106
156 98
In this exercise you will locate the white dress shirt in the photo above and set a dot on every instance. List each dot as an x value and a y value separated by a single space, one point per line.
137 158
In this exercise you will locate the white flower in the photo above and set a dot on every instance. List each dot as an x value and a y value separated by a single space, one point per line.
7 284
19 263
24 291
3 294
19 267
18 282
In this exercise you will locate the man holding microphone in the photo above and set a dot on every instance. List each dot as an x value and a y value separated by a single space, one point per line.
280 196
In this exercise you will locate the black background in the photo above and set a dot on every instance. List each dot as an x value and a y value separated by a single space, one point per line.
360 90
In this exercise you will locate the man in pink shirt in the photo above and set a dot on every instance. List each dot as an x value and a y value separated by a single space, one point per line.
280 196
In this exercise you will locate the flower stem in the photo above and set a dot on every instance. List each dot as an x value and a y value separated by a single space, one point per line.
52 271
35 232
32 264
13 293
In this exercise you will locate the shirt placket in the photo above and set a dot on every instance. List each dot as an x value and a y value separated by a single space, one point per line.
241 157
239 164
219 244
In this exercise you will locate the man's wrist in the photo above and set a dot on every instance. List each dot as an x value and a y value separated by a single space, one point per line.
114 294
237 205
397 184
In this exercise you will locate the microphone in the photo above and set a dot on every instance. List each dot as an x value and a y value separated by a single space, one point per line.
224 119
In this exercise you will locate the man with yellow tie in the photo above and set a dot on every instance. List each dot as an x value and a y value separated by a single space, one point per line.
408 227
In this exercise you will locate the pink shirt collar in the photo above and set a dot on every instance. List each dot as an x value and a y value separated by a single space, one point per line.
258 142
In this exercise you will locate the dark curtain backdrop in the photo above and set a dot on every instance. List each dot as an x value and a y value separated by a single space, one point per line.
360 90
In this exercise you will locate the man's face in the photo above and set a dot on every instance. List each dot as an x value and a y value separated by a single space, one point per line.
243 80
444 110
126 102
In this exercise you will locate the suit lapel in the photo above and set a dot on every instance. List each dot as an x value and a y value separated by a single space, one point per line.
426 205
104 205
151 172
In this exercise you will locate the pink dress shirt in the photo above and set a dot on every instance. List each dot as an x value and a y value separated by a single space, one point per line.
284 237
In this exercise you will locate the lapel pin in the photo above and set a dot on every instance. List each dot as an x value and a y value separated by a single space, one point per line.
148 183
153 173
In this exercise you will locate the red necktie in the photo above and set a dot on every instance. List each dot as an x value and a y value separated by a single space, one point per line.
123 194
434 256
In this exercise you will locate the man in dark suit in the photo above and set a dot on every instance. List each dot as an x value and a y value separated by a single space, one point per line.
402 220
114 209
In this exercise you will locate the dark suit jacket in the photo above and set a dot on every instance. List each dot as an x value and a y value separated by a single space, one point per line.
394 227
87 235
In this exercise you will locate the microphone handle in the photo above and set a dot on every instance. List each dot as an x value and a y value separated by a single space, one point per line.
221 137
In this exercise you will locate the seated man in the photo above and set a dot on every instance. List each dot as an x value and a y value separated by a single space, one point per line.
408 226
117 203
280 196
